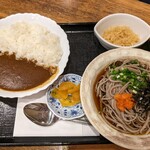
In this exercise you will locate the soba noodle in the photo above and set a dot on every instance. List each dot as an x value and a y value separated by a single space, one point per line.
128 121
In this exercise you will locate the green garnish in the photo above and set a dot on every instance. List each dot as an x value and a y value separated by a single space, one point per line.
135 81
139 84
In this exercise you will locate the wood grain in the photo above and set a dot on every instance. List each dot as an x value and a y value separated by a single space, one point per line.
74 11
72 147
71 11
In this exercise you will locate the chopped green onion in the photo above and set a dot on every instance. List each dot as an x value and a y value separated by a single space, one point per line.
125 75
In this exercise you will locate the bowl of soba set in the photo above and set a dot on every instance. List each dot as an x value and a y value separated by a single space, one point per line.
115 95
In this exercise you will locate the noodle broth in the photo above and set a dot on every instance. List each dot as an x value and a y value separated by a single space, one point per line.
109 82
96 98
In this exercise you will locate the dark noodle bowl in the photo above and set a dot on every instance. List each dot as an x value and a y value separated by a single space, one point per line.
130 76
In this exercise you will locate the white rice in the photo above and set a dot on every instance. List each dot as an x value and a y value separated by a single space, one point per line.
31 41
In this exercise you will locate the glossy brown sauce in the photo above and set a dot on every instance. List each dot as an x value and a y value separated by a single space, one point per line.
17 75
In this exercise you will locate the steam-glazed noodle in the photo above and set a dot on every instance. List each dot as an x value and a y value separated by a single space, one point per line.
131 121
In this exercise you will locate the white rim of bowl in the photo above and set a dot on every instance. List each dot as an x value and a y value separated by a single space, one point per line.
125 14
90 118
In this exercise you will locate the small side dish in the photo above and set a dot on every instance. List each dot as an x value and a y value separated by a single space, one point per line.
121 30
68 93
121 35
63 97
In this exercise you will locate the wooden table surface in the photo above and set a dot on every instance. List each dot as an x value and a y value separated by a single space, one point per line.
74 11
70 11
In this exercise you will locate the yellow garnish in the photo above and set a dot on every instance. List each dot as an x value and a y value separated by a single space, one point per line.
68 93
58 94
66 85
74 89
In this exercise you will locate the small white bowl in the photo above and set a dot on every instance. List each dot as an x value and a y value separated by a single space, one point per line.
137 25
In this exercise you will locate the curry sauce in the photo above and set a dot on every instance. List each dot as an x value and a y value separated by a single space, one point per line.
18 75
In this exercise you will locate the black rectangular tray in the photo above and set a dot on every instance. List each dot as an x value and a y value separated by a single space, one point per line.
84 47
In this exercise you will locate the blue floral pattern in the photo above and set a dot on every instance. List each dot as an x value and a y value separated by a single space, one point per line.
66 113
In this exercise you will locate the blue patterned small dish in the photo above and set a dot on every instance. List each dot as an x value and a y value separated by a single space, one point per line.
65 113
